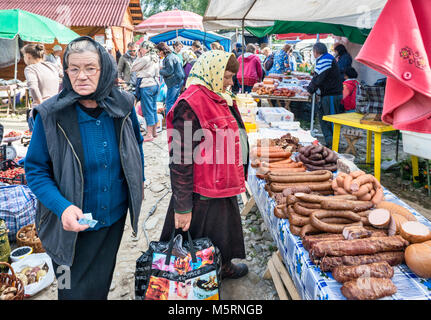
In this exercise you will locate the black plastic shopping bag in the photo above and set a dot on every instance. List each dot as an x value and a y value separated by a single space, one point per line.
173 271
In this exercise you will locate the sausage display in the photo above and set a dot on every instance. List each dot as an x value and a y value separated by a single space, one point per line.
358 246
374 270
364 186
279 211
393 258
314 186
316 198
317 216
317 157
274 154
295 230
351 205
368 288
296 219
300 178
308 228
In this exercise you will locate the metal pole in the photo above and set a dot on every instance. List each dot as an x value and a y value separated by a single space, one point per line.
242 54
313 103
15 72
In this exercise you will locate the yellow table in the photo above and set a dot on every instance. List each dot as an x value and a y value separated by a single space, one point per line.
353 120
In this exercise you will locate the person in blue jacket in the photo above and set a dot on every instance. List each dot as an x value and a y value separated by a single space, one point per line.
86 156
172 72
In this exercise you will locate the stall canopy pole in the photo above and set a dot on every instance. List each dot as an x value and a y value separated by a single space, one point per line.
313 104
243 42
242 55
15 71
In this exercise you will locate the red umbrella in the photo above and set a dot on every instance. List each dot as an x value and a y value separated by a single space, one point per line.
301 36
171 20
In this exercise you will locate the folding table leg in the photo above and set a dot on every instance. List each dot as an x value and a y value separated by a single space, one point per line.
415 167
336 137
369 142
377 154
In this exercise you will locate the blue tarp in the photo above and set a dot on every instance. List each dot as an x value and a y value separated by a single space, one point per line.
187 36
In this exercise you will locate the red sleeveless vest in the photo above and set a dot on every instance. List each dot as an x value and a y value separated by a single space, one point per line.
218 170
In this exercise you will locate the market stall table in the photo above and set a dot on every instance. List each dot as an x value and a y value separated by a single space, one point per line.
309 280
353 120
311 99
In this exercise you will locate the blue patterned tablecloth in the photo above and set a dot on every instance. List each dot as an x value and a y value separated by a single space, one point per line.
310 281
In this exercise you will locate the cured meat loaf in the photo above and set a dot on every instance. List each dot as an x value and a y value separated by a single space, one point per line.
394 258
310 240
368 288
358 246
373 270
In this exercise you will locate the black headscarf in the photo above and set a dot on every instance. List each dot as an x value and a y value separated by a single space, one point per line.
109 97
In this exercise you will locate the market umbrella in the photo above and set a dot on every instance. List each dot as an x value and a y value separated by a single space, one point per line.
171 20
33 28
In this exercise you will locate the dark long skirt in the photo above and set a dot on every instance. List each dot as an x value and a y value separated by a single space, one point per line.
93 264
218 219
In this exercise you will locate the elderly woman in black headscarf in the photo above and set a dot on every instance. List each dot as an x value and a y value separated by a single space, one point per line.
85 157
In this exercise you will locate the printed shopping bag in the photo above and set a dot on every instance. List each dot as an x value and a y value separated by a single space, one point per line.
173 271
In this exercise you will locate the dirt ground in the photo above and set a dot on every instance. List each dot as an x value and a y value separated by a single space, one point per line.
259 245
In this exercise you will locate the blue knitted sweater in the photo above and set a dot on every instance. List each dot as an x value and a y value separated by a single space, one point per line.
105 188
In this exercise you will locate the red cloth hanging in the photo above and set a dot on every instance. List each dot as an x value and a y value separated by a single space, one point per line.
399 46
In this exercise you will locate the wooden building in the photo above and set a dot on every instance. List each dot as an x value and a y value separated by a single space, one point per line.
107 21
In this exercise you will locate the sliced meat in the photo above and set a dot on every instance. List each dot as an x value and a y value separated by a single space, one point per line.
368 288
374 270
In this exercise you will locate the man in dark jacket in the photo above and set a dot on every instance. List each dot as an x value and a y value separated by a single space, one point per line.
327 79
125 63
172 72
269 59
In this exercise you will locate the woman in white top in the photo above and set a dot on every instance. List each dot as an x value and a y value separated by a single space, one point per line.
147 69
43 79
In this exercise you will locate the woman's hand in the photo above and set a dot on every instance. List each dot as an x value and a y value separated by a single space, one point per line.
182 220
70 218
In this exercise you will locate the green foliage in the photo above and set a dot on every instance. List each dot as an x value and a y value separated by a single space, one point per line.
151 7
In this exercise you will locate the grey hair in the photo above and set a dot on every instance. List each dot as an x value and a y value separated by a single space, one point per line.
80 47
320 48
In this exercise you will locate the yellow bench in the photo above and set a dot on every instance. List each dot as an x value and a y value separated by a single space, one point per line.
353 120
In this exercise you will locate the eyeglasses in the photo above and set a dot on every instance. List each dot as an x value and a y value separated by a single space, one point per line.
88 71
